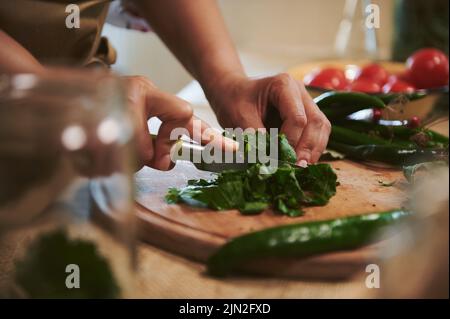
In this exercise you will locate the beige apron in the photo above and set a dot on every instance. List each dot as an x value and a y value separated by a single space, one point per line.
40 26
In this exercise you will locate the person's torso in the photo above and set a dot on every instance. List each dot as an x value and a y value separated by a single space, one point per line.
43 28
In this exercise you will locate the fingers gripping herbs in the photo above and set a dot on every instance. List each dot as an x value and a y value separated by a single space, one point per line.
260 143
253 190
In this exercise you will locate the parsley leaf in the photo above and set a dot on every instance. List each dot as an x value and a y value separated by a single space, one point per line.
287 189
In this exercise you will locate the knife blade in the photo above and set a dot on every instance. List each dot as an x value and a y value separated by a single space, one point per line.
193 152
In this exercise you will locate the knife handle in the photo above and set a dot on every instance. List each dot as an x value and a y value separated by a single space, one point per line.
193 152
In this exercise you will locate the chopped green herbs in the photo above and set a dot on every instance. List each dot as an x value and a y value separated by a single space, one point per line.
253 190
285 151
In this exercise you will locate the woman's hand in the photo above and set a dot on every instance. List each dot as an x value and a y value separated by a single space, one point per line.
243 102
146 101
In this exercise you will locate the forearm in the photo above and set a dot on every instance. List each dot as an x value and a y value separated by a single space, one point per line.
195 32
14 58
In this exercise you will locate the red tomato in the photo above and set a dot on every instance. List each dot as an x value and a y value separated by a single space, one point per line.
428 68
404 76
396 85
328 78
364 85
414 122
373 72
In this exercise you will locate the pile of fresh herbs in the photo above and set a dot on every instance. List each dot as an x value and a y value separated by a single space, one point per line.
255 189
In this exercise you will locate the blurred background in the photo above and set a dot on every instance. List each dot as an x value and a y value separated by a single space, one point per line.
270 36
273 36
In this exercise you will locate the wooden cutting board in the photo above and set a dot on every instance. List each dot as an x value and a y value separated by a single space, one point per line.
196 233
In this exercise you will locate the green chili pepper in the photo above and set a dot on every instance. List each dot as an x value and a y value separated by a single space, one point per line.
388 98
391 131
302 240
436 137
335 105
391 154
398 134
351 137
341 104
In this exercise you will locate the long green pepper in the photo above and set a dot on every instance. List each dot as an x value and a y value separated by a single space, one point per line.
338 105
391 154
302 240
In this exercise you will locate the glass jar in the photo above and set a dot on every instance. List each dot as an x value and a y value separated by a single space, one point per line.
65 139
355 39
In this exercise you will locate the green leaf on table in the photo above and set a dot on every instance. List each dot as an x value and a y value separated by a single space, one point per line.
41 273
413 172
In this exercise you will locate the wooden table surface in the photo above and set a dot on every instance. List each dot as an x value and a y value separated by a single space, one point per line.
164 275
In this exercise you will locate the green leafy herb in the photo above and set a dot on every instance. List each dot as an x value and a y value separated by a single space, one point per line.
286 152
252 208
172 195
42 271
253 190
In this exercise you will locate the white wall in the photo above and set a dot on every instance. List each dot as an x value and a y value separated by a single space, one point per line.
144 54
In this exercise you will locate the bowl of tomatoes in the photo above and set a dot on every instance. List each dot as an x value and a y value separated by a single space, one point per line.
410 89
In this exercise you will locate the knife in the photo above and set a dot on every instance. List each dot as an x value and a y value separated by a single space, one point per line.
195 153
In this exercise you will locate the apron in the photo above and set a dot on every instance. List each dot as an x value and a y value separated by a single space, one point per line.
40 27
